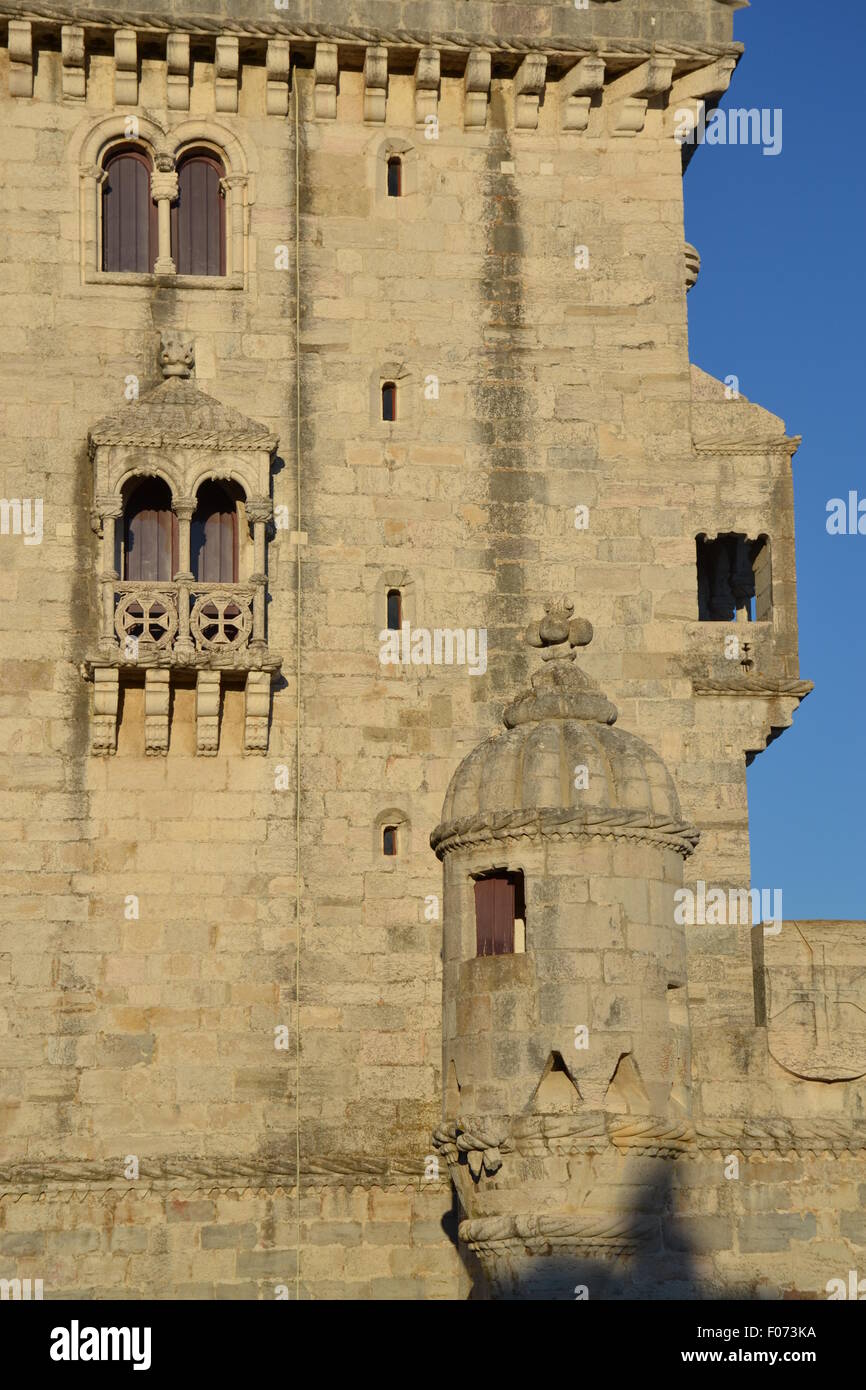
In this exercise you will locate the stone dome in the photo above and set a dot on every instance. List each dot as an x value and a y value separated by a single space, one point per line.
560 761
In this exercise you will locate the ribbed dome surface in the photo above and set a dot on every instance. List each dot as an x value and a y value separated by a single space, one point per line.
559 752
535 765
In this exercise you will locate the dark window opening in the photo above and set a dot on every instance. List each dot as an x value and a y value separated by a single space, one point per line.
389 401
734 579
500 914
389 840
395 176
395 610
129 214
198 218
150 533
214 534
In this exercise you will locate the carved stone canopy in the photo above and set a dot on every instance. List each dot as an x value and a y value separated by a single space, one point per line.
176 413
560 768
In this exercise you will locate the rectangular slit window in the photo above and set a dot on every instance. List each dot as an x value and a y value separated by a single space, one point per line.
500 914
735 580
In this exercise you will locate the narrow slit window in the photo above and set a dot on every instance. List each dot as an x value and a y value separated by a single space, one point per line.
735 580
500 914
389 401
395 610
395 176
389 840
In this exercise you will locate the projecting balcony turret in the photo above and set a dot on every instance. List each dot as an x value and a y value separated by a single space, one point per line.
182 507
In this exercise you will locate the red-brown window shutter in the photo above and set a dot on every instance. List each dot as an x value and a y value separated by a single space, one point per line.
198 218
214 536
129 214
150 533
494 915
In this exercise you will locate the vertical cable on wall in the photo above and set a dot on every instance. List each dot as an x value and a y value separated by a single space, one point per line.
295 96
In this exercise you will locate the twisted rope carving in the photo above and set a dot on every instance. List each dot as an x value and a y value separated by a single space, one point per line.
483 1146
752 685
563 825
537 1233
533 1136
160 22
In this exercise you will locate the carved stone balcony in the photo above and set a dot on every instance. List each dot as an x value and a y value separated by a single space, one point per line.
201 626
184 629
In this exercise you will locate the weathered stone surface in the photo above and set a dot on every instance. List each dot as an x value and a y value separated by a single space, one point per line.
164 938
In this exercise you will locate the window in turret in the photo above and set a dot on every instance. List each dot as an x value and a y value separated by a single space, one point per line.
734 579
389 839
500 914
395 176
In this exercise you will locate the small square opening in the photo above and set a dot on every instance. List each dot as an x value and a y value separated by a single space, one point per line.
735 581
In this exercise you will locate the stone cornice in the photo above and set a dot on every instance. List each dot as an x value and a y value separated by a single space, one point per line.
157 21
767 686
775 444
553 824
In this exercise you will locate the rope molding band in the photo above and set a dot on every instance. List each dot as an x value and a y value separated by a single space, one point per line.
155 21
753 685
557 824
533 1137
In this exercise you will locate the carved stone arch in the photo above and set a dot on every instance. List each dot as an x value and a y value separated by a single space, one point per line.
407 152
97 138
200 131
138 465
217 471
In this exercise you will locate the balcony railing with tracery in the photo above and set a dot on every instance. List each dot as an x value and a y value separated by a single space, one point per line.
185 623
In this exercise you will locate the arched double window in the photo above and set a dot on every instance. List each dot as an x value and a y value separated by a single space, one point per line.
129 214
214 534
150 532
198 216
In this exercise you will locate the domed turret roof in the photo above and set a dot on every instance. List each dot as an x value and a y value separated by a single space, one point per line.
560 766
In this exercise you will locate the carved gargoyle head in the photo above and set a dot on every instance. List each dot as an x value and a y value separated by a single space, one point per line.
176 357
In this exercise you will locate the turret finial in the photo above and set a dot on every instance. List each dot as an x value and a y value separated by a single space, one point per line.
558 632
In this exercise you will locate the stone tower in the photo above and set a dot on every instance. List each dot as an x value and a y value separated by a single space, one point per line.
578 1032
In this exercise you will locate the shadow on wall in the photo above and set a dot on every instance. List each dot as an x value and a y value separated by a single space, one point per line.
661 1266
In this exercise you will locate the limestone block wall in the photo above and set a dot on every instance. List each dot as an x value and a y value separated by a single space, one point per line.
527 388
359 1241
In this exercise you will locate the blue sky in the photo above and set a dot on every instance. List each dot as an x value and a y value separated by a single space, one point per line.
781 303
